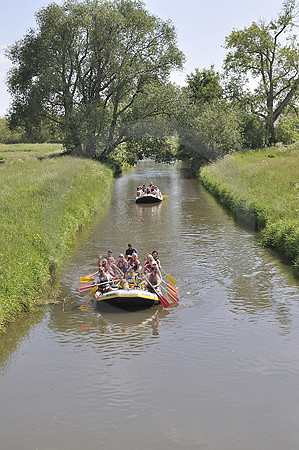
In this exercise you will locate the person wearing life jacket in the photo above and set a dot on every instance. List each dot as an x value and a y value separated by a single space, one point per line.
134 262
123 284
156 258
146 268
102 280
139 191
139 283
131 278
122 263
115 271
154 279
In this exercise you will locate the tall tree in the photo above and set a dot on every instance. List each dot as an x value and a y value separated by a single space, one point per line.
86 67
269 53
203 86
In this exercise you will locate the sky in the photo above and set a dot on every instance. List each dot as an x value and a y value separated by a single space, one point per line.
201 25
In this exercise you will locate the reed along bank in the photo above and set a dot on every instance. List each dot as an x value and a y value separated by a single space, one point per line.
261 188
43 205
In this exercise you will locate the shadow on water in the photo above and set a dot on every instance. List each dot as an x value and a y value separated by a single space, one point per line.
16 332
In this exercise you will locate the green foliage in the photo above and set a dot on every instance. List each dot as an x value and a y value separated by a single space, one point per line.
87 67
204 86
208 131
8 136
287 129
43 204
253 131
259 51
261 188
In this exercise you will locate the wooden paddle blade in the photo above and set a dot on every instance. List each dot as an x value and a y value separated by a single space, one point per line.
165 303
84 287
172 297
172 289
171 279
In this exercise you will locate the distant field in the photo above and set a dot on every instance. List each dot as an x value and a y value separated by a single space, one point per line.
24 151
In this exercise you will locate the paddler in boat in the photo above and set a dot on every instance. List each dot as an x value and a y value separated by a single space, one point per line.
139 282
130 250
146 268
102 280
109 256
156 258
122 263
109 271
123 284
154 279
114 269
131 278
134 262
139 191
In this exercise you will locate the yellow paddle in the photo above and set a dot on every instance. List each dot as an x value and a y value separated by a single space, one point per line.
92 291
165 196
170 278
85 279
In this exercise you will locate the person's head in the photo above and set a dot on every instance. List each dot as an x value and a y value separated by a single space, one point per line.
101 270
110 253
134 255
131 271
130 246
121 256
154 254
154 268
104 263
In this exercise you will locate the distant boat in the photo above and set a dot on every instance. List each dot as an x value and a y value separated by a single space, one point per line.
129 300
149 198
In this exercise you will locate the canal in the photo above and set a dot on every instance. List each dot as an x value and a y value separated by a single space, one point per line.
219 371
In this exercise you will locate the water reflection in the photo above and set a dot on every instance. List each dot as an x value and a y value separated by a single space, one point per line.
13 335
110 332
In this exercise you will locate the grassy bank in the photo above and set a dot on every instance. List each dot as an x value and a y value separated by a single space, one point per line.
261 187
43 204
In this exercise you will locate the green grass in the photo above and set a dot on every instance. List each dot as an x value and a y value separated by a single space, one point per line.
43 204
10 152
261 186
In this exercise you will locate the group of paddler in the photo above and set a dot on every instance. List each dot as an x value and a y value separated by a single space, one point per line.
150 189
126 272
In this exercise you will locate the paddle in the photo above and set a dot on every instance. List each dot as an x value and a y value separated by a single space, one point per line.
163 301
93 291
85 287
165 196
171 288
170 278
86 279
172 297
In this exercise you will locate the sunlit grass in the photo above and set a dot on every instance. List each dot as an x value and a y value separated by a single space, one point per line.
262 186
43 204
24 151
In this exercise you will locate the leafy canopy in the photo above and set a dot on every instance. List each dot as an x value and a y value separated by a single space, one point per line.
97 69
269 53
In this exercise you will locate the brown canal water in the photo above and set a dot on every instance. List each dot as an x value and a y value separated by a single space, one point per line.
219 371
